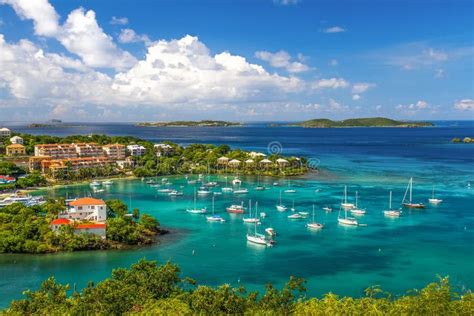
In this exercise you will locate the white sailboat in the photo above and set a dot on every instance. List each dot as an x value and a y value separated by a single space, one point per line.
226 188
345 204
196 210
293 206
290 190
327 209
409 203
240 190
295 216
214 217
390 212
280 207
258 238
251 219
259 187
203 191
350 221
356 210
313 224
434 200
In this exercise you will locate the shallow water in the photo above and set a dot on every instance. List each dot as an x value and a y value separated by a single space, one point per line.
398 254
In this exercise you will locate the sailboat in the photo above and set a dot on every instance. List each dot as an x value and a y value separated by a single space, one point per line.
434 200
356 210
313 224
251 219
409 203
290 190
240 190
258 238
280 207
236 208
226 188
351 221
390 212
203 191
259 187
345 204
293 206
195 210
214 217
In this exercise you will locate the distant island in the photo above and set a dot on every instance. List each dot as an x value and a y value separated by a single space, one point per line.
204 123
465 140
50 123
357 122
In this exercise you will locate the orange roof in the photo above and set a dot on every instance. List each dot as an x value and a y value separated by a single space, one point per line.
90 225
61 221
15 146
87 201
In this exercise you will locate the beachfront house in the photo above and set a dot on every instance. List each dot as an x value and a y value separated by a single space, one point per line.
16 140
163 149
86 209
136 150
99 229
5 132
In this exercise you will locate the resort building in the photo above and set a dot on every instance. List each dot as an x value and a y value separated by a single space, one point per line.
136 150
73 164
16 140
115 151
86 209
5 132
254 155
98 229
126 163
88 150
163 149
34 162
56 151
15 150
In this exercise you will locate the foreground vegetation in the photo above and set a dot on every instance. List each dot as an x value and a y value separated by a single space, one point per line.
24 180
359 122
26 229
203 123
149 289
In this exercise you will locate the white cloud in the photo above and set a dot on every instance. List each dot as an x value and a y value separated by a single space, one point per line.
286 2
356 97
421 104
332 83
45 18
464 105
334 29
413 108
119 20
362 87
80 34
282 59
333 62
129 36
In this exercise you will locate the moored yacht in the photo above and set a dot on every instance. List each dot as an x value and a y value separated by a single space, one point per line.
434 200
313 224
390 212
409 203
236 208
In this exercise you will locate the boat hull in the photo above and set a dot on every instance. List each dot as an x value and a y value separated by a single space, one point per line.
413 205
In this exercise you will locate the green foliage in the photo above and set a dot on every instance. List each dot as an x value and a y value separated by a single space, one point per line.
148 289
116 208
360 122
9 168
33 179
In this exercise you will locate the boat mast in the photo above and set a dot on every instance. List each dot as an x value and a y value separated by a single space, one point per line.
213 205
357 197
345 194
411 189
256 209
390 201
313 213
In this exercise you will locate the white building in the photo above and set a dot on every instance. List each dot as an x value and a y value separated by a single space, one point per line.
5 132
86 209
16 140
136 150
99 229
163 149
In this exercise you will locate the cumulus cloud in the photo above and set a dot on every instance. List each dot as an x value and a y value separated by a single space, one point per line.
286 2
130 36
413 108
464 105
334 29
119 21
80 34
332 83
356 97
282 59
362 87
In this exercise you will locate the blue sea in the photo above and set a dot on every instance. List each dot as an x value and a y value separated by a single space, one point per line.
398 254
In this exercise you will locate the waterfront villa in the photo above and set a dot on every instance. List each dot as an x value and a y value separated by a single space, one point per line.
98 229
115 151
86 209
15 150
136 150
16 140
5 132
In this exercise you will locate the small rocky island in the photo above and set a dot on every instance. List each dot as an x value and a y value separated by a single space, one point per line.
204 123
357 122
465 140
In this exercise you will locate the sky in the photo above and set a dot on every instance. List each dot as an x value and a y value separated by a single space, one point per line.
253 60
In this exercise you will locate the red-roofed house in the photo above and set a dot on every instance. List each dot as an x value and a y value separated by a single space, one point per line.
98 229
86 209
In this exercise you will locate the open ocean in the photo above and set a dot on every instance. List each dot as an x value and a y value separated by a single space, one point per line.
397 254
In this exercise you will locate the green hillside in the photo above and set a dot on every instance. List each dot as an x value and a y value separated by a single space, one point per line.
359 122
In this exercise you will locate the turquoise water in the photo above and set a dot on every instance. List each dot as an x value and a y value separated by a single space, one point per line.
398 254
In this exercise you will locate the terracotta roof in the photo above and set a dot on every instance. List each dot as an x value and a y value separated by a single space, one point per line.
15 146
61 221
90 225
86 201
